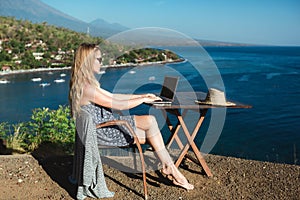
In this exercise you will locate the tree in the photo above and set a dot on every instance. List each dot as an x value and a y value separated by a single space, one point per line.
28 59
4 56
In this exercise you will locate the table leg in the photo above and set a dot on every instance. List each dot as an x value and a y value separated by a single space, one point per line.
190 138
174 132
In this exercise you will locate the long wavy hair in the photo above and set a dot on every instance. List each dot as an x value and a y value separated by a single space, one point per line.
82 73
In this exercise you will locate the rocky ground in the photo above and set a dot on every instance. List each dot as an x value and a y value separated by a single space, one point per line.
32 177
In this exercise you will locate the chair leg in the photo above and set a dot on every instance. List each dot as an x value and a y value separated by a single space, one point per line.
134 159
144 171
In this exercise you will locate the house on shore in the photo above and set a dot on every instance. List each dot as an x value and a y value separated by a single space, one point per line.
6 68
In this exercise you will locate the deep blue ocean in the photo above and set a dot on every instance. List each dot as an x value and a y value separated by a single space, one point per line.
268 78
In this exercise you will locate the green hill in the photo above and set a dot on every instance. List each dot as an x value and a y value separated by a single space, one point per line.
25 45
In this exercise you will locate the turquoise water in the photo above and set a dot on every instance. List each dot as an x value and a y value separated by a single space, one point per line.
265 77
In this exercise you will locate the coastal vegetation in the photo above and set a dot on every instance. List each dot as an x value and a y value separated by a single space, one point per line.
45 126
26 45
147 55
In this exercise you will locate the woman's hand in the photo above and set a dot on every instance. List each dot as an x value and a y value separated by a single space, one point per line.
151 98
149 95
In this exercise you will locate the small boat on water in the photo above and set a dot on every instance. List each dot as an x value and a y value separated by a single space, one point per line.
151 78
36 79
4 81
44 84
59 80
62 75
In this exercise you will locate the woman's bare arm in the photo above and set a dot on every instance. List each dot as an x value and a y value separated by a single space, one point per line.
115 101
132 96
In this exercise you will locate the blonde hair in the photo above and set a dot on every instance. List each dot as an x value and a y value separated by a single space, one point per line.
82 73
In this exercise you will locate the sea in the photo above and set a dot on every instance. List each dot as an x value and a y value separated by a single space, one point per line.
267 78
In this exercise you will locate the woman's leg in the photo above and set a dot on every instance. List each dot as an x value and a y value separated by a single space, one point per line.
148 124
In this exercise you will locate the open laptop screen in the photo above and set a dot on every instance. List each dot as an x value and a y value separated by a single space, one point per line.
169 87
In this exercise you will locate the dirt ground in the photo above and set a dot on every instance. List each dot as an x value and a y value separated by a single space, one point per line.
46 177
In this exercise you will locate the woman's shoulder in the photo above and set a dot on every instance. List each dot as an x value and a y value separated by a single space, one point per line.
91 88
89 91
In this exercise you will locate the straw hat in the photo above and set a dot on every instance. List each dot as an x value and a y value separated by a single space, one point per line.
215 97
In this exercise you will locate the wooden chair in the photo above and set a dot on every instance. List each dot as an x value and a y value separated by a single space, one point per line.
136 143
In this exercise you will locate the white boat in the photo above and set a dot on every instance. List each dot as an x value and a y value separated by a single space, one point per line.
44 84
36 79
151 78
62 75
59 80
4 81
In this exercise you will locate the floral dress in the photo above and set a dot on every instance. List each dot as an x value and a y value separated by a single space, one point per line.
114 135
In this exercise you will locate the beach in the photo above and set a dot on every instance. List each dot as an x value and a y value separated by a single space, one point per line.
44 175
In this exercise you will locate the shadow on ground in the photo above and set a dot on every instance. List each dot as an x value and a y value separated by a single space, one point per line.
57 164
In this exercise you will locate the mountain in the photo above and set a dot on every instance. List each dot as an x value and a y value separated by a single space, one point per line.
105 25
37 12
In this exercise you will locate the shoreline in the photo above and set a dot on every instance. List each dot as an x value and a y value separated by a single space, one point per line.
22 71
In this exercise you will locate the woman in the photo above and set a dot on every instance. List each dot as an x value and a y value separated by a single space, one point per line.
86 93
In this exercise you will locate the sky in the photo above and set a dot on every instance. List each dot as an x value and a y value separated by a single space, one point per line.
264 22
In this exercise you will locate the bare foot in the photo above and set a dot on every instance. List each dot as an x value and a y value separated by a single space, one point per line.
177 176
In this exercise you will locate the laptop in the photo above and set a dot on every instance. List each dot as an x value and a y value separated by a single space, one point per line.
168 89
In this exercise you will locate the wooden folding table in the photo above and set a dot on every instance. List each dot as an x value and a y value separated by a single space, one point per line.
184 102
